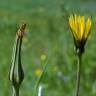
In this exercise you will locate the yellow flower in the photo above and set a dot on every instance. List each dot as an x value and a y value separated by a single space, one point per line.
80 29
38 72
43 57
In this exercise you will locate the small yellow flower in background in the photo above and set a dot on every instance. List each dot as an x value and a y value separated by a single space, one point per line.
43 57
38 72
80 29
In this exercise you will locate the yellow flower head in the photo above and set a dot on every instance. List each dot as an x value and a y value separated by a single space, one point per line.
38 72
43 57
80 29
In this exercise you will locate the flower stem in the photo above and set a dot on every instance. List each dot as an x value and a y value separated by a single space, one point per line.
15 91
78 74
39 80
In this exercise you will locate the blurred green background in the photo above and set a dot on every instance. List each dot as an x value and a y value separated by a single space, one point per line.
47 37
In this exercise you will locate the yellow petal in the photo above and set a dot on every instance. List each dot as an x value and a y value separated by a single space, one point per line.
88 28
76 25
73 25
82 27
79 27
71 22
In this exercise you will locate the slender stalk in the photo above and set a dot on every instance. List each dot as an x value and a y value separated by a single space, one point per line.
15 91
39 79
40 90
78 73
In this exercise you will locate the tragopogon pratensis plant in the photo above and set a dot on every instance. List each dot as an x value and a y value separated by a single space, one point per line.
81 29
16 74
